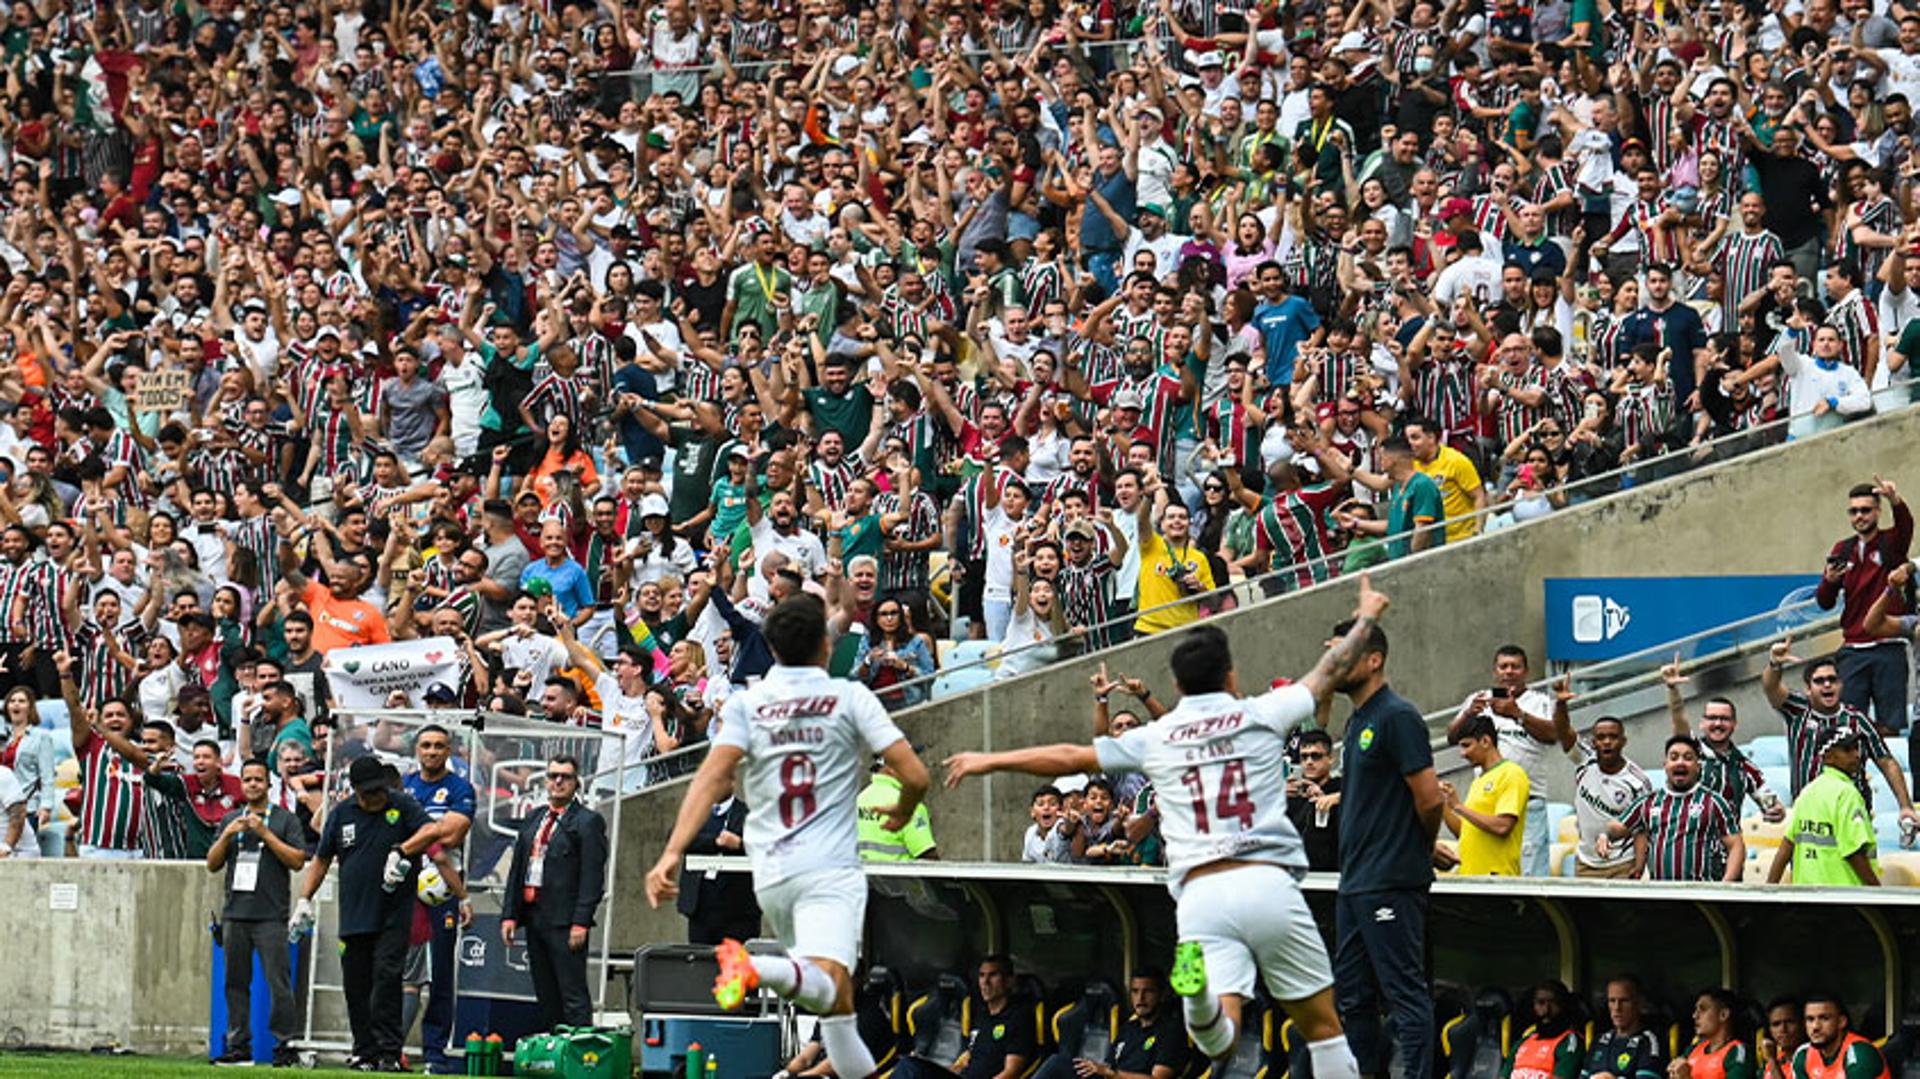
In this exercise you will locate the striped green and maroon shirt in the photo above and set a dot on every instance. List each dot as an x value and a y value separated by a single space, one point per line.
110 798
1685 832
1290 527
1807 731
1729 774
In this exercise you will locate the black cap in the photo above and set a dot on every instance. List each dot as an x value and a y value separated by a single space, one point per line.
440 693
367 774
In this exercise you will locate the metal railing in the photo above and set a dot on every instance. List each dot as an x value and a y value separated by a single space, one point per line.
1591 488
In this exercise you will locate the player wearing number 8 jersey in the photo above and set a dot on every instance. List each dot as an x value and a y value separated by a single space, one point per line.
1234 860
806 740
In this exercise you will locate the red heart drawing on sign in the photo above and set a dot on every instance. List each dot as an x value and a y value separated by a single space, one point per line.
434 657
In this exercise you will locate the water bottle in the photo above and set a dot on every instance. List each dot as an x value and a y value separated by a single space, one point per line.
713 1069
496 1054
696 1062
476 1052
1909 831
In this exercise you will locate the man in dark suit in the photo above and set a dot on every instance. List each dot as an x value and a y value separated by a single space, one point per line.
719 906
559 873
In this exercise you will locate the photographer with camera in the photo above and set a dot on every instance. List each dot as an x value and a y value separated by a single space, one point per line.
1523 719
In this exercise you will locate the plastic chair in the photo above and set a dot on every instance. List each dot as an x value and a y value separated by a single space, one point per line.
1560 859
971 651
1768 751
960 681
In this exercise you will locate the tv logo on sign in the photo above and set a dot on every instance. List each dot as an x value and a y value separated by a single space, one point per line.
1597 619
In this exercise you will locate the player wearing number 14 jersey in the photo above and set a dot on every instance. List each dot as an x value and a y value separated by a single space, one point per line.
1218 763
807 740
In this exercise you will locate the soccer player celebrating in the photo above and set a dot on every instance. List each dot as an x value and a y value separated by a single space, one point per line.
806 739
1233 857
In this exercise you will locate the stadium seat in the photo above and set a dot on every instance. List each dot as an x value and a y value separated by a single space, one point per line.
1886 831
1768 751
1250 1050
1561 859
1558 814
1758 833
936 1020
1877 782
959 681
1898 747
1568 830
883 986
1780 780
1087 1026
972 651
1031 990
1491 1026
1899 866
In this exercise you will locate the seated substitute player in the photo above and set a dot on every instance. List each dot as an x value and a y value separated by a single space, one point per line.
1833 1050
1233 858
806 739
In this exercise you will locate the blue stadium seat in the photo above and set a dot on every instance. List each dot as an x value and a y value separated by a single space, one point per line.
969 651
1780 778
1886 829
1556 812
1769 751
966 678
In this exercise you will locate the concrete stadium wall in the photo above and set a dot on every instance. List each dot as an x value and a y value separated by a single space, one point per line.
131 967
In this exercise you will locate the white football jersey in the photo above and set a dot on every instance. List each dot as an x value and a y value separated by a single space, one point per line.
809 740
1219 769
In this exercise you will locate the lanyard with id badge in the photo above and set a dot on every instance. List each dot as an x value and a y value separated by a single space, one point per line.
246 871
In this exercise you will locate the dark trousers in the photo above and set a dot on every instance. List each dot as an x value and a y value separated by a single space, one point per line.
436 1021
370 968
703 928
242 940
1380 951
917 1068
559 978
1874 680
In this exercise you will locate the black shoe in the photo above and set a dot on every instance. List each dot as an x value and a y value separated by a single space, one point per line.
283 1059
392 1065
362 1064
236 1059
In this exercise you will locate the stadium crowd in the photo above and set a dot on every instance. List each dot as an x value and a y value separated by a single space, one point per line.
578 335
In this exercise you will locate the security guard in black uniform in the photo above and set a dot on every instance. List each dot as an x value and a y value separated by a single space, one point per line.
378 837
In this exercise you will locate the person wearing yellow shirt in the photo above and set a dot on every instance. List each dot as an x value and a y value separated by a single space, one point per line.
1461 492
1491 821
1172 563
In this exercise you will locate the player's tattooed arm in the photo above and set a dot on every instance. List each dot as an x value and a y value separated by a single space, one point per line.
1346 653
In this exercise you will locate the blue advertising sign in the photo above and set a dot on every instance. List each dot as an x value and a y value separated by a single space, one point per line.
1594 618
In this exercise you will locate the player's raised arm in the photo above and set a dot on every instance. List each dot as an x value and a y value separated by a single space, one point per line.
1339 661
710 785
1064 759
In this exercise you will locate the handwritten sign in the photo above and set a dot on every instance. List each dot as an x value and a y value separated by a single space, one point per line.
164 390
362 676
